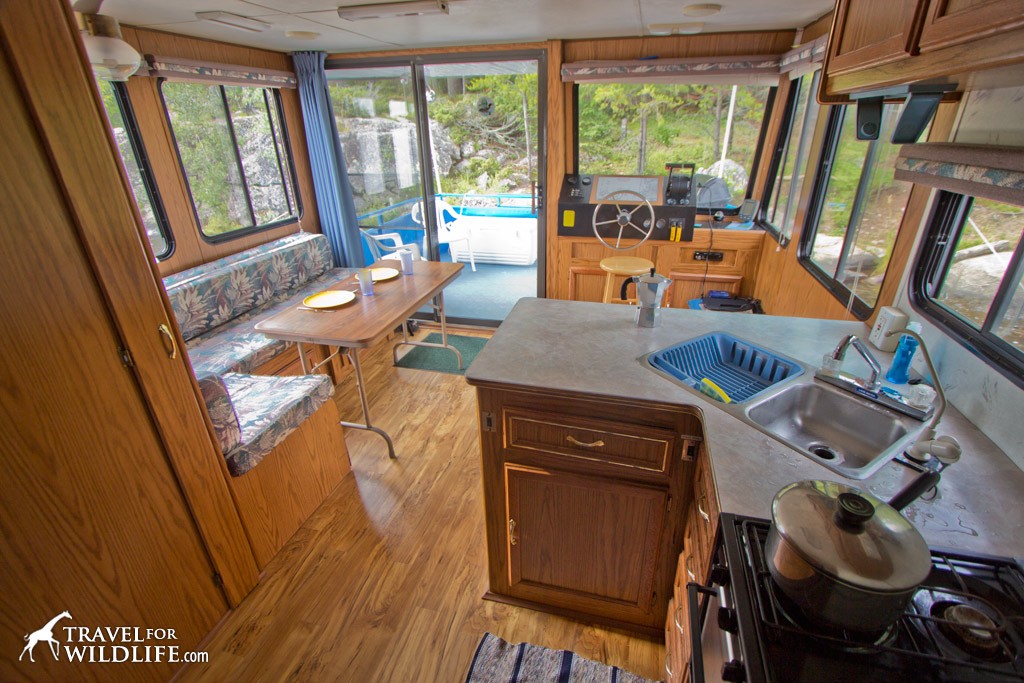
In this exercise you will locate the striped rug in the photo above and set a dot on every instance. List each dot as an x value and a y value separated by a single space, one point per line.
496 661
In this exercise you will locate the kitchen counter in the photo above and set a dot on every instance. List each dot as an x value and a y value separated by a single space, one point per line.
593 349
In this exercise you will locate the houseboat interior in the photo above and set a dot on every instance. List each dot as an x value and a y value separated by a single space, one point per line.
470 340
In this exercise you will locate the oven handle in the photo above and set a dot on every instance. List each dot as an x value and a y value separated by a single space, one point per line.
696 653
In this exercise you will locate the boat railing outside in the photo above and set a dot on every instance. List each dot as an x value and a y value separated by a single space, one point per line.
398 215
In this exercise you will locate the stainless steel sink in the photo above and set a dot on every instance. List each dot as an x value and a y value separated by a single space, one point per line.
847 435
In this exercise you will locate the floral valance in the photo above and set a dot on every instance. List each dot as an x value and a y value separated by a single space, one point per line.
803 59
205 72
988 171
743 70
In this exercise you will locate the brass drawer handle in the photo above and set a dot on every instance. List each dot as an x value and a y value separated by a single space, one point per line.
689 572
668 668
703 514
512 532
679 610
576 442
170 345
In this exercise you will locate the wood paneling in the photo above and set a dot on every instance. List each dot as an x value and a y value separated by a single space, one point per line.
94 521
677 47
558 146
873 32
278 495
44 45
449 49
190 248
384 582
952 22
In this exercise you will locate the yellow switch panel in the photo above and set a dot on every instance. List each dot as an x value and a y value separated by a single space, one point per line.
568 218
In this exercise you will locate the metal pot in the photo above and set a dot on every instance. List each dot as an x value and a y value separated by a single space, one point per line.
848 560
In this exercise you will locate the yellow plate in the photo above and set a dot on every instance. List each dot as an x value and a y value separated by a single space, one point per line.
332 298
381 274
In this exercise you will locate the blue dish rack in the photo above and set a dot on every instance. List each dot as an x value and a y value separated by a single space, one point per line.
740 368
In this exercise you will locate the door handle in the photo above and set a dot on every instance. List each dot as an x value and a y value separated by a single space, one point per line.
512 540
170 345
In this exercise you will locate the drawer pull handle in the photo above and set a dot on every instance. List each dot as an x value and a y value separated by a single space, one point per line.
170 345
703 514
668 668
689 571
680 612
512 532
576 442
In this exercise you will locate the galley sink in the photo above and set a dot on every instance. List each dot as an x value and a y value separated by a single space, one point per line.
838 430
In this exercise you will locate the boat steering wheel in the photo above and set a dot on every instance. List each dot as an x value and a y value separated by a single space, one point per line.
624 218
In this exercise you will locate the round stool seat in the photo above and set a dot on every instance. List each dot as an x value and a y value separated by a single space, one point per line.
622 266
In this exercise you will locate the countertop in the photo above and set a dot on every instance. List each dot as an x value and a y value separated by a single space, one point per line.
594 349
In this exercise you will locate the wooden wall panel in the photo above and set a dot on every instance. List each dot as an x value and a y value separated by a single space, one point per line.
190 248
677 47
557 136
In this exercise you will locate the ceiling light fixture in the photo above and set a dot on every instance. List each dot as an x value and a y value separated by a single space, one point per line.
111 58
702 10
687 29
234 21
393 9
302 35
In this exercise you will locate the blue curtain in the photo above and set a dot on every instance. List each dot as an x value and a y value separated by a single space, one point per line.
330 175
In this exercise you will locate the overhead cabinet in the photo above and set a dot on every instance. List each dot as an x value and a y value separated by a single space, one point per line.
877 44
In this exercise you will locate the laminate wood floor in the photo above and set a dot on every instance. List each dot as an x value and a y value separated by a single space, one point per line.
384 581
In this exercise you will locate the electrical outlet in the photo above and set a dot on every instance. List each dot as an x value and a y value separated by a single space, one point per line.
708 256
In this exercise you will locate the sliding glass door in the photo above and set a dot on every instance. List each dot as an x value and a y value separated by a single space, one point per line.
466 135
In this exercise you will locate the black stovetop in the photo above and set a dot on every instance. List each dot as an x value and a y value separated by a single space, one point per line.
965 623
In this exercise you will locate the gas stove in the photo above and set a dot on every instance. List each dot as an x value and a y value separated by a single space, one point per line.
965 623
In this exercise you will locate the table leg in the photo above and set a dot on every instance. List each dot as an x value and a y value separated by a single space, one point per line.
353 355
439 307
302 358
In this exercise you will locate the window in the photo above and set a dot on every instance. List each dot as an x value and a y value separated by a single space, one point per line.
636 128
233 148
968 277
856 210
791 157
136 165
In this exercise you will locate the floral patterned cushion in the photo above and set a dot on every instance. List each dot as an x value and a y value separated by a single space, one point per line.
215 293
238 347
221 410
270 408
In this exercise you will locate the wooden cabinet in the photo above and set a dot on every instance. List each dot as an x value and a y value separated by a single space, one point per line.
877 44
694 565
584 500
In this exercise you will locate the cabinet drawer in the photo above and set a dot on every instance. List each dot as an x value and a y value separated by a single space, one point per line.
627 445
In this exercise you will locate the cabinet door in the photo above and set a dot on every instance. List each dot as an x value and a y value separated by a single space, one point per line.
868 33
584 543
952 22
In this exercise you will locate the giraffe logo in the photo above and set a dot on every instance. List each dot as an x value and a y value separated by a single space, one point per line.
45 633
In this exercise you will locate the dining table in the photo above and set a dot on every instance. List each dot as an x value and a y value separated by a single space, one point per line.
366 320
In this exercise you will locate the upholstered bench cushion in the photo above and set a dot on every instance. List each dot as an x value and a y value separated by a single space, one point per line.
221 410
208 296
269 408
238 347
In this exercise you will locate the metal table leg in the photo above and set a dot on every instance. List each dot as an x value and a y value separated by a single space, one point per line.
353 355
439 307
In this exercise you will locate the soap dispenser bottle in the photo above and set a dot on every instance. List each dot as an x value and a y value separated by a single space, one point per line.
899 372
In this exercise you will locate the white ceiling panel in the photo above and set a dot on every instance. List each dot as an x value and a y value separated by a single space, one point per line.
471 22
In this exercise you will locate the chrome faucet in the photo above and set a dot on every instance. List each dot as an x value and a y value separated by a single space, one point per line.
871 383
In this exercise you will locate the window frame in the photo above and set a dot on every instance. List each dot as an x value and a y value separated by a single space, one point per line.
931 266
769 107
156 201
780 153
285 142
809 230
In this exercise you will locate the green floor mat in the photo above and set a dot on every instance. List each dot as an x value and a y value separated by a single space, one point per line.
443 360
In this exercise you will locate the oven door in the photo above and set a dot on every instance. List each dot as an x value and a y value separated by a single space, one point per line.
716 654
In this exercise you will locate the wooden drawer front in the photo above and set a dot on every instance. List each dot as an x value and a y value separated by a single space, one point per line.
636 446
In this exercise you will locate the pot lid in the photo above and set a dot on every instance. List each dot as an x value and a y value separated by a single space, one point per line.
851 536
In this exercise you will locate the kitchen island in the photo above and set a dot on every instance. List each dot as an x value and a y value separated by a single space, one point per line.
591 350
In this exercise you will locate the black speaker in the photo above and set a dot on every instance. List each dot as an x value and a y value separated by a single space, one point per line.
869 118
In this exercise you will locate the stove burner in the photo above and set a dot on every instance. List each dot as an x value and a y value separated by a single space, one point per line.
835 638
970 629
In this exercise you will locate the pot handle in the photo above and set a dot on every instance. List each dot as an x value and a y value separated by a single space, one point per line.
696 655
625 287
915 488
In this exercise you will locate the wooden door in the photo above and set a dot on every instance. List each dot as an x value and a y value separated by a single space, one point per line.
584 543
869 33
93 520
952 22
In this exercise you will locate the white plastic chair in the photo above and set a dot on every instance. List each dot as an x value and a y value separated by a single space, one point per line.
448 230
382 251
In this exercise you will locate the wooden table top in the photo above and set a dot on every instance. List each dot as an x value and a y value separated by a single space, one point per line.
369 318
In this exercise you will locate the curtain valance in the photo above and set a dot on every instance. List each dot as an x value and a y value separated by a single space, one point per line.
205 72
988 171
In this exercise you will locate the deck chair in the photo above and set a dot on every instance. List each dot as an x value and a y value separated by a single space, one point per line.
381 250
448 229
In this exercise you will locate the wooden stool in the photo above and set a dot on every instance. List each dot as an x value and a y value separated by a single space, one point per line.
622 266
